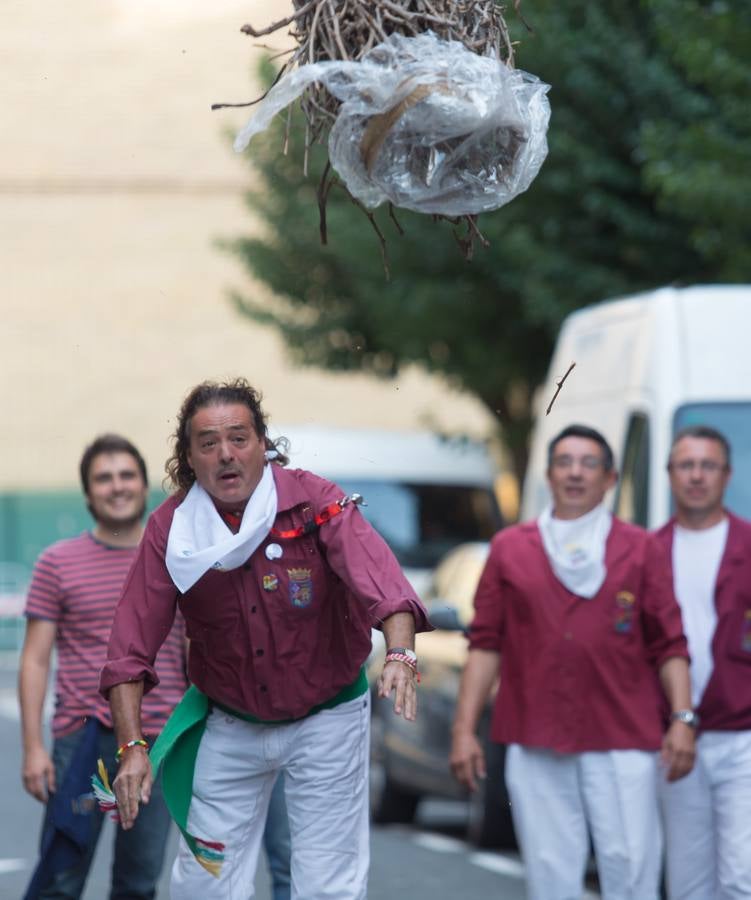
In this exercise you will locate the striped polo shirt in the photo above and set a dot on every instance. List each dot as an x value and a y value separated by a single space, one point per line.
76 584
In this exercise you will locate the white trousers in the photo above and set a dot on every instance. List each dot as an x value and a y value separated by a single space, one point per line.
325 763
558 800
708 821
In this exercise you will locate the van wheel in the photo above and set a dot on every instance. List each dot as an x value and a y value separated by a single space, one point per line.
393 805
489 824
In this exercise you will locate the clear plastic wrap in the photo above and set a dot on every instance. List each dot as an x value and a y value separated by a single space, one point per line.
425 124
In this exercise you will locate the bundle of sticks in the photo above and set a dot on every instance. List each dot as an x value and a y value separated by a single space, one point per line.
348 29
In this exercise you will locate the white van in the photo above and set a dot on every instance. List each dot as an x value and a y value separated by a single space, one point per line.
647 366
425 493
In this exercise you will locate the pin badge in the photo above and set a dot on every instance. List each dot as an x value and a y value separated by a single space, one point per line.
273 551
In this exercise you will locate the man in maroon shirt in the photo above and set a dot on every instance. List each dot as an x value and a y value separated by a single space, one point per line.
708 551
279 579
579 619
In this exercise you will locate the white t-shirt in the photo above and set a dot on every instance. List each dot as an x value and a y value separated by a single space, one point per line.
696 562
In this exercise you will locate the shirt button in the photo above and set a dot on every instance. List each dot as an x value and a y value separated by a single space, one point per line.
259 652
252 609
263 688
568 635
247 566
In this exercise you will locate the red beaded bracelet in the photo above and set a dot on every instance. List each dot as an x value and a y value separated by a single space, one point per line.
396 656
137 743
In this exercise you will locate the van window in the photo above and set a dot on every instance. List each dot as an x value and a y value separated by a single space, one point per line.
734 421
631 498
422 522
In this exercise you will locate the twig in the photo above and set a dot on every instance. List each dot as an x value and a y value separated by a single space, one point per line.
248 29
323 195
559 384
394 219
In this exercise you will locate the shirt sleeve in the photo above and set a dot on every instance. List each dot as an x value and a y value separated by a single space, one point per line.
364 562
143 618
44 599
486 629
662 623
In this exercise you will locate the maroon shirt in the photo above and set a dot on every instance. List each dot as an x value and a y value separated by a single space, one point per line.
272 638
726 702
577 674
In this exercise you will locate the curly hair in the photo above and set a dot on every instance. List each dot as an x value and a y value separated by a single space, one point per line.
212 393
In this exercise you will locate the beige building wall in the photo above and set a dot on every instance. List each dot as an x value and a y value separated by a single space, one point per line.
116 180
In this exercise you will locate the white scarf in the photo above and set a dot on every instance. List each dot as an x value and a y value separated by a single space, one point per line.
576 548
199 538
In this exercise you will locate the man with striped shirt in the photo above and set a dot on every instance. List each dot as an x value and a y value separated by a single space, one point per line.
70 607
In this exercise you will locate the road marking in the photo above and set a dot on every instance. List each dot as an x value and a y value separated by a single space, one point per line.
495 862
500 863
9 704
12 865
439 842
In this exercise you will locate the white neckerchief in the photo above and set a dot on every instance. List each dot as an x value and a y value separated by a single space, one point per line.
576 548
199 538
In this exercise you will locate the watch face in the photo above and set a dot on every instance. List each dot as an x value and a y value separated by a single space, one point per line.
687 717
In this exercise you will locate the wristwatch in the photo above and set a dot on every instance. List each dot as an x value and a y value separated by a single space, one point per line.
687 716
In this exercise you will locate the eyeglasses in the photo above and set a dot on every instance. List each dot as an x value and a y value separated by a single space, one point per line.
586 462
707 466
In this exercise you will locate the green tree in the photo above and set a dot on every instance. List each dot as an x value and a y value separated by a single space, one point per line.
646 183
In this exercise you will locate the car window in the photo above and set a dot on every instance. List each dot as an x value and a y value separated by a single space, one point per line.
422 522
734 421
632 494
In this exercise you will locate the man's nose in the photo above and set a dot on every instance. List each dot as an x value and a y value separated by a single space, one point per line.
226 451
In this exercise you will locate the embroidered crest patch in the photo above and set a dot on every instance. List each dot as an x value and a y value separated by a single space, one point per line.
270 583
624 612
300 587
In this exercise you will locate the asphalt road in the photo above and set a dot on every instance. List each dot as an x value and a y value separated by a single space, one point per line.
428 861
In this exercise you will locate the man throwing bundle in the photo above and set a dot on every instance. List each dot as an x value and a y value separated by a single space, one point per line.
279 579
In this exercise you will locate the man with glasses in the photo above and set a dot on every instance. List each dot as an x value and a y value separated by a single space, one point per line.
575 613
708 550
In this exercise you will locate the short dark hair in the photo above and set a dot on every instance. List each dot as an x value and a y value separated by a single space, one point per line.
583 431
212 393
108 443
707 433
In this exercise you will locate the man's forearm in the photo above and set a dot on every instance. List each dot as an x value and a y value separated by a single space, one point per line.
480 672
399 630
125 703
676 682
32 688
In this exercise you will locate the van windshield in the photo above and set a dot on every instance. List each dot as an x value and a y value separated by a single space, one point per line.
734 421
422 522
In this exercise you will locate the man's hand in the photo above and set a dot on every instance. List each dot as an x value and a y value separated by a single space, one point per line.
467 759
398 677
678 750
38 774
132 784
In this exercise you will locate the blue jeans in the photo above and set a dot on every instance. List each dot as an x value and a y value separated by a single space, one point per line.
138 853
276 841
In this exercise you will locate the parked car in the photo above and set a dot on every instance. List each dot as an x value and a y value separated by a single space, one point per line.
415 755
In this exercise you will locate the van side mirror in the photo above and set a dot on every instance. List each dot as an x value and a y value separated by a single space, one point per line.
445 617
